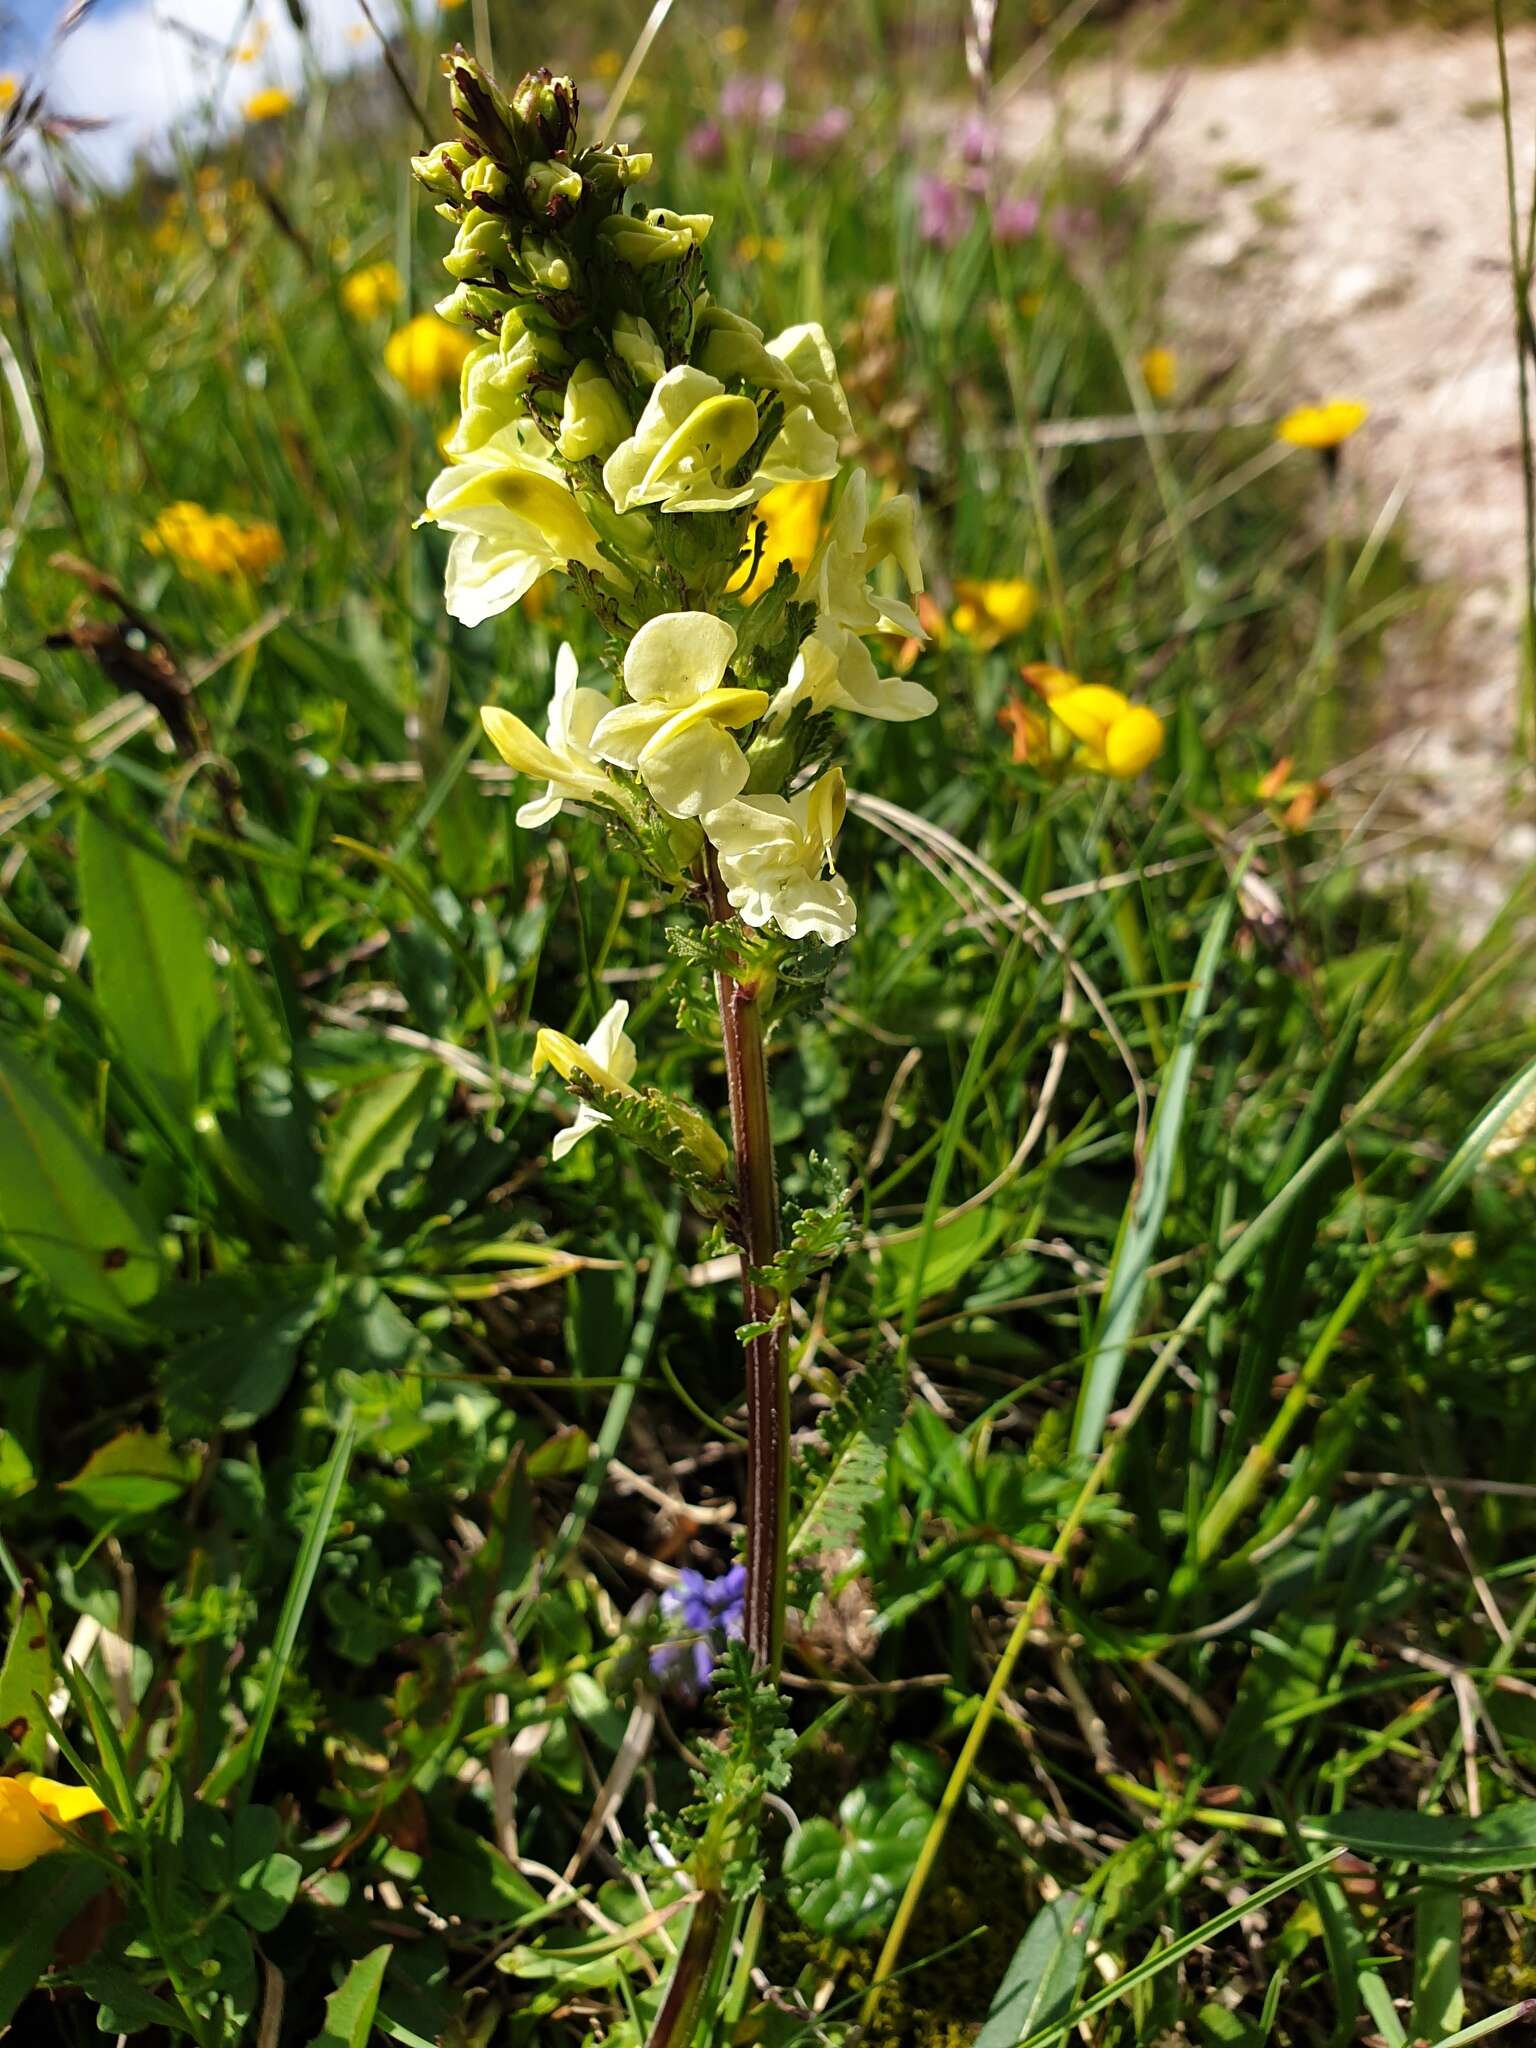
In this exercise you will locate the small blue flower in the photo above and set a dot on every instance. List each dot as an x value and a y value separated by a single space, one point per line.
712 1611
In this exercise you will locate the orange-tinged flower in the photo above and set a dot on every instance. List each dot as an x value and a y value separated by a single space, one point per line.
270 104
426 355
214 543
372 290
1160 373
988 612
28 1804
1323 426
790 516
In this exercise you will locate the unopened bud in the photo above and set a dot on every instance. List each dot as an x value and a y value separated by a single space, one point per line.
552 190
544 110
479 246
443 169
548 266
658 237
636 346
485 180
594 420
480 109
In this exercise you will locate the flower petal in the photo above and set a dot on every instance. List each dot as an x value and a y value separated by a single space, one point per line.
678 656
700 769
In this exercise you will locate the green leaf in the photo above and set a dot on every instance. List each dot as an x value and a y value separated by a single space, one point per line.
236 1376
1438 2000
1038 1984
1143 1222
135 1474
371 1134
154 977
266 1879
37 1905
1447 1845
844 1879
67 1209
349 2010
16 1474
846 1472
25 1678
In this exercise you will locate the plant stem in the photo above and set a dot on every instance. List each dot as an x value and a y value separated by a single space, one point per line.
692 1974
757 1199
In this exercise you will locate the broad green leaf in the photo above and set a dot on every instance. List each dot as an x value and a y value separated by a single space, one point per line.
235 1376
844 1877
66 1208
26 1677
942 1261
1038 1984
16 1474
134 1474
266 1878
1448 1845
1438 2000
349 2010
371 1134
154 976
36 1906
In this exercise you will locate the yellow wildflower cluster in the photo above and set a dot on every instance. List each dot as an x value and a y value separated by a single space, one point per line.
426 355
1084 725
32 1811
371 291
214 543
989 612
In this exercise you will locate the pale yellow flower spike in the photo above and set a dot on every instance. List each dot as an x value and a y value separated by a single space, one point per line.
32 1810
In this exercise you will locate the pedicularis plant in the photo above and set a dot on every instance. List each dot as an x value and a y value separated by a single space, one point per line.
620 426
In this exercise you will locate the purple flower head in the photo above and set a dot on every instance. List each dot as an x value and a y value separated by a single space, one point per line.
706 144
976 141
747 98
713 1612
821 136
1015 220
943 211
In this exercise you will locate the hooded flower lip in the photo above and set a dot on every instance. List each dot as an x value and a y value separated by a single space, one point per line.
774 852
857 542
693 433
608 1058
676 731
564 757
835 671
32 1810
513 518
1323 426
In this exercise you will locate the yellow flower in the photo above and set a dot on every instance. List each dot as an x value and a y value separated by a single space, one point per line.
426 355
1323 426
369 292
1160 373
731 41
270 104
1114 736
10 87
790 522
28 1804
770 249
214 543
608 63
249 51
989 612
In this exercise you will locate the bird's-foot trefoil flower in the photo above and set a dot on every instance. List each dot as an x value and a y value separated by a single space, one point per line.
775 853
987 612
565 757
1323 427
676 732
33 1811
1096 727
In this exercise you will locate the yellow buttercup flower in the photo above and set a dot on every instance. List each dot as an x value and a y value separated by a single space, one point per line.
371 291
1160 373
426 355
214 543
790 521
1323 426
28 1804
270 104
10 87
986 613
1112 735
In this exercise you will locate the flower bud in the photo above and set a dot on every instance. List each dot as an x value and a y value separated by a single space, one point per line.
547 265
544 112
658 237
552 190
480 109
486 179
443 169
479 246
594 420
476 305
636 346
